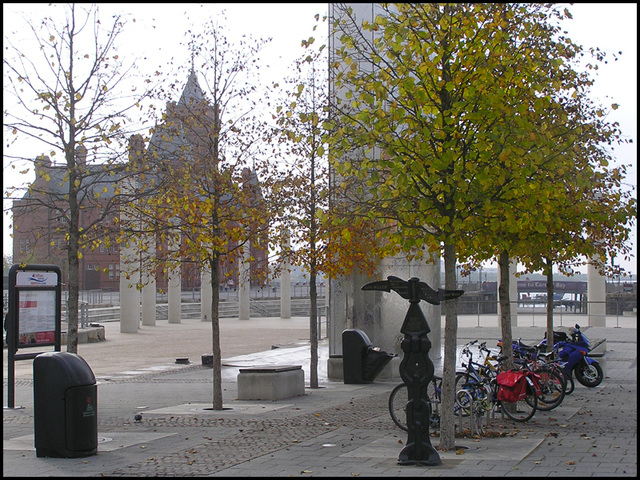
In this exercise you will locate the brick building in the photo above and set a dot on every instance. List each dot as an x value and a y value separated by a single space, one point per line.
39 224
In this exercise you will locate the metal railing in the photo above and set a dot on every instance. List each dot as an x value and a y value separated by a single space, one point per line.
564 313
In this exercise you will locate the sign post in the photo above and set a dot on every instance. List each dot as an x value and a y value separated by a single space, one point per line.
416 368
34 316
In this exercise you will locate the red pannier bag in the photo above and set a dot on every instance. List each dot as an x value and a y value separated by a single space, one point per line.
512 386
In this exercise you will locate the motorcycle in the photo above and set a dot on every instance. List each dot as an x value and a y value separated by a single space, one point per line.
573 353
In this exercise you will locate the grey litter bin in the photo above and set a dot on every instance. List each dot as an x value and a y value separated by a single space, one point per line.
361 362
65 406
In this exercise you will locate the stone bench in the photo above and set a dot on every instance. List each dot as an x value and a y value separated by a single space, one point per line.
270 382
597 352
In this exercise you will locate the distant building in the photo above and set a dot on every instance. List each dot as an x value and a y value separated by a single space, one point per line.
39 226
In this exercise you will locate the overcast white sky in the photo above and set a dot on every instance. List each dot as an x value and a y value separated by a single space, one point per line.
159 30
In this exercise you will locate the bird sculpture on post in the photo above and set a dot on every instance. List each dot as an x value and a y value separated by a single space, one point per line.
416 368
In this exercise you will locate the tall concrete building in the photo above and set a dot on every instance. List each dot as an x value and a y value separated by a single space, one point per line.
379 315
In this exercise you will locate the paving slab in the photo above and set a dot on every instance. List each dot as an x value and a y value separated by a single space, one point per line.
335 430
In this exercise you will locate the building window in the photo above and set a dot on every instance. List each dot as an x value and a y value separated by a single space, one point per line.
111 270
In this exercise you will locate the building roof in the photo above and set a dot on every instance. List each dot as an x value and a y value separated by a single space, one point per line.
170 138
192 93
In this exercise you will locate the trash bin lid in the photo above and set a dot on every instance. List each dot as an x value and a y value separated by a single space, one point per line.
69 368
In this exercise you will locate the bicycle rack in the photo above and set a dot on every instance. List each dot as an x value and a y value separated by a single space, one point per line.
475 420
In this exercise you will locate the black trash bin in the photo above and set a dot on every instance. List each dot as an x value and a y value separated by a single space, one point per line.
361 361
65 406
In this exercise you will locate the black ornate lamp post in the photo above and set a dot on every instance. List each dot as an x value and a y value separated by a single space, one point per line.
416 368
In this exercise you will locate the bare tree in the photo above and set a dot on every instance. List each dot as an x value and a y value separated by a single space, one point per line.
69 97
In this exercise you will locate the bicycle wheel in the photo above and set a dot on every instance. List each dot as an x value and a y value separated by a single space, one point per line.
552 388
468 390
398 406
434 392
464 381
524 409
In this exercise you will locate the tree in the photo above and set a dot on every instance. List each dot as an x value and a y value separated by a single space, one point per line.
212 204
6 264
72 103
459 100
325 238
304 188
578 209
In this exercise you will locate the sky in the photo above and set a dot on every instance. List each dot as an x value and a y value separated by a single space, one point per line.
157 35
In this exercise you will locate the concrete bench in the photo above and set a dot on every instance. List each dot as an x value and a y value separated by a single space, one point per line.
598 351
270 382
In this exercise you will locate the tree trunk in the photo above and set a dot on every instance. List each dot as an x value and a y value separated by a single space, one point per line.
73 296
215 332
313 329
505 308
549 274
72 253
447 425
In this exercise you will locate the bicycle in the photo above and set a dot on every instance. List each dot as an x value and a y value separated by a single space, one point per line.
479 384
552 381
551 359
399 397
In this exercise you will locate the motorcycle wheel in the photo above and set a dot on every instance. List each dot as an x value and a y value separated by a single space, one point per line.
570 383
589 375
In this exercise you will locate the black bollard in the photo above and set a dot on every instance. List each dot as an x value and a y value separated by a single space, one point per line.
416 368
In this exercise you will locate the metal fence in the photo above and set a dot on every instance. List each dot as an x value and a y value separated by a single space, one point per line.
564 313
298 290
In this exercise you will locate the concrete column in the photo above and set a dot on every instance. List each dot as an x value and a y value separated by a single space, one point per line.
393 308
380 315
513 291
596 297
336 293
129 276
206 294
174 297
285 292
429 272
285 285
129 294
244 289
149 302
149 288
